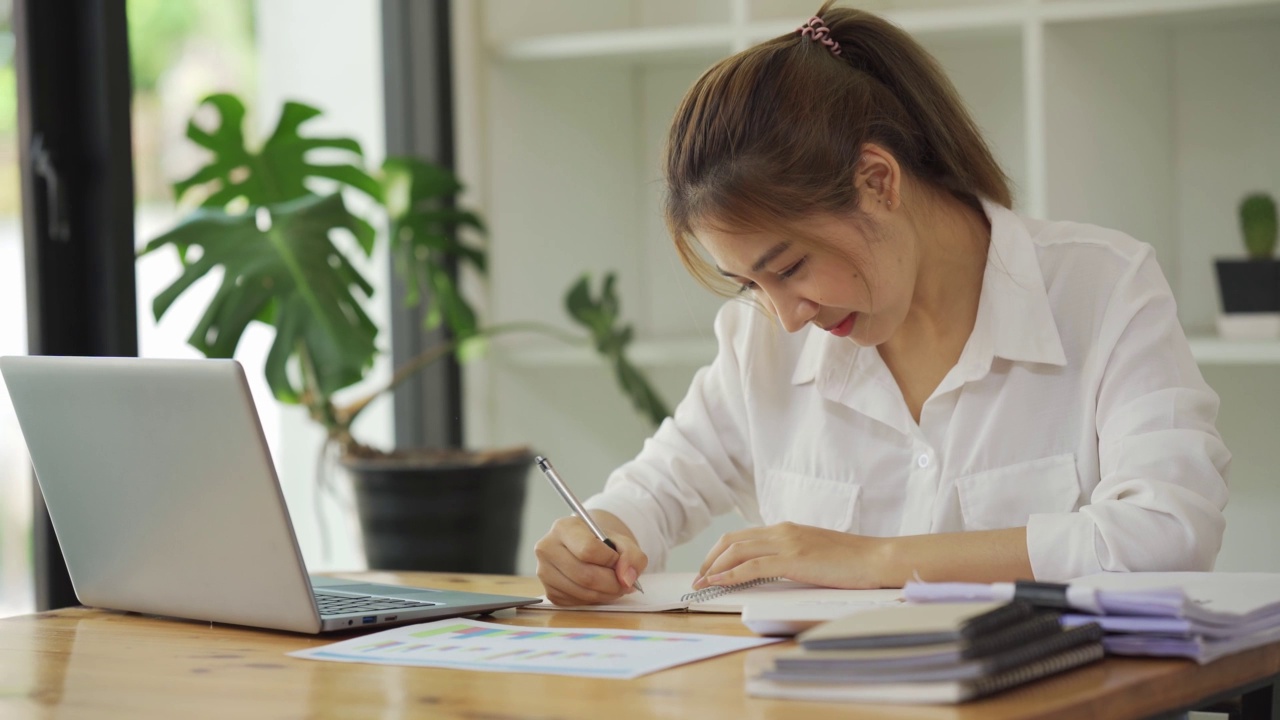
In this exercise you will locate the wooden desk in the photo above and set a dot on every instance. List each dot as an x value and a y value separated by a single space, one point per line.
82 663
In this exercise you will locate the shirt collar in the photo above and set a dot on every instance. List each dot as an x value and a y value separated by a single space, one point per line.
1014 320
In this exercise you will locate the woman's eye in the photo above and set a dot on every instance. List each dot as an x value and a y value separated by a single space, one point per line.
747 287
793 269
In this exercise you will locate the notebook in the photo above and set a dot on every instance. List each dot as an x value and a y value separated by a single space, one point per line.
928 692
788 615
906 625
665 592
1019 634
856 667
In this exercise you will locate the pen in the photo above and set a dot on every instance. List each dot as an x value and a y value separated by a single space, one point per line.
545 466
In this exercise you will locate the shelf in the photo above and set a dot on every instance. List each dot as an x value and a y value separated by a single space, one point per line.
717 40
1093 10
684 353
694 352
1210 350
660 43
634 44
979 20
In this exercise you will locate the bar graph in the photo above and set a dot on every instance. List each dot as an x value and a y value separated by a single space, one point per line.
489 647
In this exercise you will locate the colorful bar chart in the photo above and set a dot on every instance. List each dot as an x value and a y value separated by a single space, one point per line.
475 645
460 631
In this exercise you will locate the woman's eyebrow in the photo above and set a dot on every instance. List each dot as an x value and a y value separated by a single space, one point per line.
764 259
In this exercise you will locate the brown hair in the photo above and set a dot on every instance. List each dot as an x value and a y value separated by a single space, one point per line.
774 133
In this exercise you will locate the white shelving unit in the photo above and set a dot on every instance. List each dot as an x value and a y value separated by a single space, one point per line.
686 353
1151 116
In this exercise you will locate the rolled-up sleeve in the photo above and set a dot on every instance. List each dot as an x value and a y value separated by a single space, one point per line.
1162 464
697 465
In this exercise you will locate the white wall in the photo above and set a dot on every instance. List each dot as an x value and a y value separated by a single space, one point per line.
1155 124
1227 128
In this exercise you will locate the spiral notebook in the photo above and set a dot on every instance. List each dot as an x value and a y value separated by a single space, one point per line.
665 592
932 692
908 625
879 666
1031 631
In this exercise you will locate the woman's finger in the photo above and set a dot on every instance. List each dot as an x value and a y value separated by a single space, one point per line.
737 554
723 544
761 567
564 590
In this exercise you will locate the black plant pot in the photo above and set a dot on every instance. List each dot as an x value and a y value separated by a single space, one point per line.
1249 286
454 517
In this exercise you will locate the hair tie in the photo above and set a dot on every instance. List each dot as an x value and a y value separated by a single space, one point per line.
817 31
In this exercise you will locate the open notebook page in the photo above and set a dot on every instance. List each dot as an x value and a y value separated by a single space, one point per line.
664 591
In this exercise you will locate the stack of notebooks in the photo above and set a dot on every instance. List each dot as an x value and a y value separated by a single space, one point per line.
1197 615
934 653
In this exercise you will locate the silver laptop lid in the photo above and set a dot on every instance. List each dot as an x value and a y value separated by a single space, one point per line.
161 489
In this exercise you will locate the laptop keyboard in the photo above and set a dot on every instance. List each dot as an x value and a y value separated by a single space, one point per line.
332 604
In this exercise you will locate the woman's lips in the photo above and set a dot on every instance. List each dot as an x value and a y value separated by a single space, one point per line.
844 327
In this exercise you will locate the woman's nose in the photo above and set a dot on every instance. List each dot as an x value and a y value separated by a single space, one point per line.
795 312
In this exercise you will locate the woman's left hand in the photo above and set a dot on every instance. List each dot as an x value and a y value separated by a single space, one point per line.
797 552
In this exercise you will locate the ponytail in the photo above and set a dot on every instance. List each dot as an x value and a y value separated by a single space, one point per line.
774 133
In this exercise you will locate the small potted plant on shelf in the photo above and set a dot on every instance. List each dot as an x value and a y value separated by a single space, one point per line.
287 254
1250 288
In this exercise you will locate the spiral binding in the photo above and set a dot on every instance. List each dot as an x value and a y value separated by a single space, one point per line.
1044 667
715 591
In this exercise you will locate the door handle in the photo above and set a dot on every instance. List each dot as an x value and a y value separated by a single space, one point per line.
46 169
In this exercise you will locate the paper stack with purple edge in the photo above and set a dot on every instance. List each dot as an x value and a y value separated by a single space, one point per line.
1198 615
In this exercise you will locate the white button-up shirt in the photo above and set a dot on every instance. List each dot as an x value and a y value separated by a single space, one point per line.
1075 409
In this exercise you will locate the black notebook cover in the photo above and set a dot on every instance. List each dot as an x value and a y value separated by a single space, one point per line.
810 666
931 692
1017 635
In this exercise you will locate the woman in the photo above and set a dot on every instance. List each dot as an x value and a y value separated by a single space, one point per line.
923 383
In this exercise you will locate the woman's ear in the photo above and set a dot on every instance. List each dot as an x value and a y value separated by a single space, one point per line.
877 179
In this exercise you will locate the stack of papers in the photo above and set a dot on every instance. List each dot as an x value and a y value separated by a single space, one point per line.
1201 616
936 653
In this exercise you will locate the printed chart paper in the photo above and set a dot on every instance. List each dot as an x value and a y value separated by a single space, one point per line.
585 652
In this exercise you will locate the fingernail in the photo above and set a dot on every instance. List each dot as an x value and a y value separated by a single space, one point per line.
697 582
631 576
715 579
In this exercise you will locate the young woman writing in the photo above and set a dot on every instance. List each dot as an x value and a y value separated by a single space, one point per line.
912 380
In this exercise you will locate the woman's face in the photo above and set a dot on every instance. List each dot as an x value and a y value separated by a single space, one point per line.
857 283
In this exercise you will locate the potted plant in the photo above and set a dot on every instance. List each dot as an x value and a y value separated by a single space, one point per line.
1250 288
286 252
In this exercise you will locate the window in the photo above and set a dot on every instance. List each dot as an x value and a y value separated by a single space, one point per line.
16 588
326 53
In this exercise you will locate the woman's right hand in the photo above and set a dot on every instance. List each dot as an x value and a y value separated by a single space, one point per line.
577 569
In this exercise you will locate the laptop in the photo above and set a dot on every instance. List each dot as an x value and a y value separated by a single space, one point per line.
163 496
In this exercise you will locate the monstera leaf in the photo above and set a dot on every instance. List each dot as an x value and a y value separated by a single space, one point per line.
280 266
266 226
600 317
425 241
280 171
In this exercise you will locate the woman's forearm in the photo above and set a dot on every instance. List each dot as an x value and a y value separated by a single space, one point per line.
976 556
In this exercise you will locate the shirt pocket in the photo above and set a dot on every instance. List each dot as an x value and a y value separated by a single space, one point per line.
807 500
1007 496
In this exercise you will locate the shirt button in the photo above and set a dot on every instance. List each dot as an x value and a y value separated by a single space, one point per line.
923 461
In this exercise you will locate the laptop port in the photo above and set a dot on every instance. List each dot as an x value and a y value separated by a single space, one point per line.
368 619
390 618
